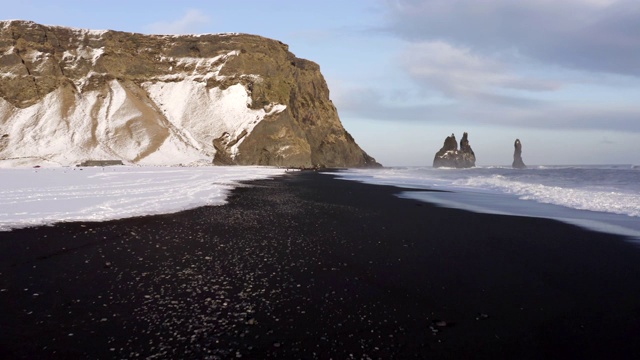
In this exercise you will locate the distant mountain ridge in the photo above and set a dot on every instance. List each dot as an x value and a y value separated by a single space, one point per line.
71 95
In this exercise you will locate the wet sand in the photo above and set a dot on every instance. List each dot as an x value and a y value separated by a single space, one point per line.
307 266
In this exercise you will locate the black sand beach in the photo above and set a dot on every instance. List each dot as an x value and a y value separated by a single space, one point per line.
306 266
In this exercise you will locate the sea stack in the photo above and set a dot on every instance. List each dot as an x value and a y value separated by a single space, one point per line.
517 156
450 156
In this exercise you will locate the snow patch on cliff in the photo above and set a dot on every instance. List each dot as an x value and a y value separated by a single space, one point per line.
162 123
83 53
196 68
66 128
33 56
207 114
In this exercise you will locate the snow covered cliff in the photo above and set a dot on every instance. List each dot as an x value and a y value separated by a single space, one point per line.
70 95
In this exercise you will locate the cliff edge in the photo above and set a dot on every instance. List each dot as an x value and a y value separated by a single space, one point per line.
71 95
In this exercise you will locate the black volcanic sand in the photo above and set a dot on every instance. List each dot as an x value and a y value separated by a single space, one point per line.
307 266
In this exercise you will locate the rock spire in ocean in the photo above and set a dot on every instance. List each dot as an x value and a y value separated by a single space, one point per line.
517 156
450 156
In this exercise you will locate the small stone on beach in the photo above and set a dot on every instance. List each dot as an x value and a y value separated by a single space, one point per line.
440 323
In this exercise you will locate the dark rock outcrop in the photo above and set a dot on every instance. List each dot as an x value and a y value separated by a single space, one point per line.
160 99
450 156
517 156
88 163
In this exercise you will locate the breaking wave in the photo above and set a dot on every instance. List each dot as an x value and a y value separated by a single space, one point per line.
593 198
611 189
601 198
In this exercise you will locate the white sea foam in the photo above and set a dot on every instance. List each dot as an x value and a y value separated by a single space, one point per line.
602 197
30 197
594 198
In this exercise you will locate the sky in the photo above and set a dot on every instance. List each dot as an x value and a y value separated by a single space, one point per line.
561 76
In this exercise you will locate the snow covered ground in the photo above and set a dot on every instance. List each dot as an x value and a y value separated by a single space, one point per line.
42 196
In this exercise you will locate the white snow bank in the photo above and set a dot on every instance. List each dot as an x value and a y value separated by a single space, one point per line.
206 114
116 126
30 197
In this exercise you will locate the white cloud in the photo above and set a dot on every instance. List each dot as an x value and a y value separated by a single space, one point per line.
542 64
593 35
457 71
191 22
599 3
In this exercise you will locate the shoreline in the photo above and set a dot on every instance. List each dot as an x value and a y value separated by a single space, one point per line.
307 266
609 223
507 191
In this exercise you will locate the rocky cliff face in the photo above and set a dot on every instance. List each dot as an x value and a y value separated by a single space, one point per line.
70 95
450 156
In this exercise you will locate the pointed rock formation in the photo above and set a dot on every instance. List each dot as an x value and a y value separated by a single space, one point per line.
517 156
467 157
450 156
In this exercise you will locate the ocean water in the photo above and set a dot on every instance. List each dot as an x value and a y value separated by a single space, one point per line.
602 198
